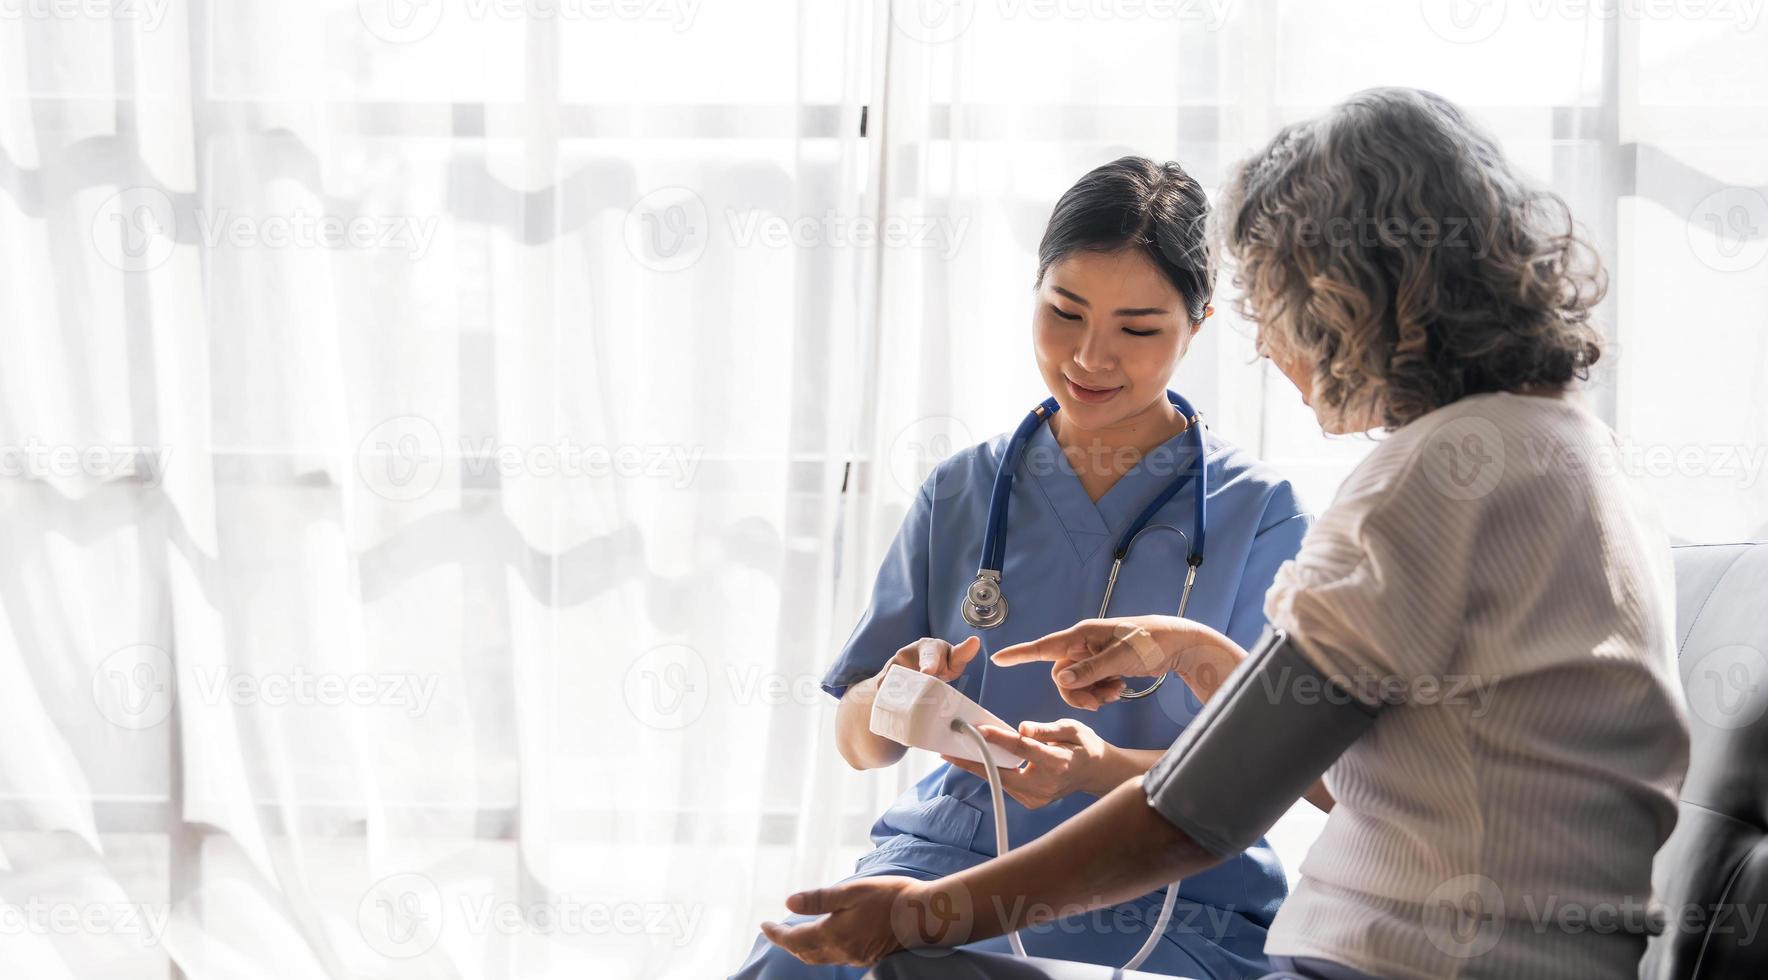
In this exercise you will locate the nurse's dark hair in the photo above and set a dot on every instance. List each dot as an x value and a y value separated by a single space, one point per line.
1390 248
1135 203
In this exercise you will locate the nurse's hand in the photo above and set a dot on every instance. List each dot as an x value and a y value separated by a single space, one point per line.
865 920
931 655
1090 659
1061 757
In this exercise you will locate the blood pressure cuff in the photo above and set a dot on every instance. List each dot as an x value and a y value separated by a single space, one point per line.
1275 725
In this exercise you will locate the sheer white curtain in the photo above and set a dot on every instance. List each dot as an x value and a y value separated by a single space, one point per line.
424 426
445 440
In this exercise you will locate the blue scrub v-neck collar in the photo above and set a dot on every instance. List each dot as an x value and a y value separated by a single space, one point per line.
1091 526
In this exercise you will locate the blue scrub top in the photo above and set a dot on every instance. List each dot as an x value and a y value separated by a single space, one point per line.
1058 557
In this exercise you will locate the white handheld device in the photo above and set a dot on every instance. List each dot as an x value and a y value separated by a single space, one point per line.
918 709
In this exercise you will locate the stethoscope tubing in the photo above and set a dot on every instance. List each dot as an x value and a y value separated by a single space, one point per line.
985 604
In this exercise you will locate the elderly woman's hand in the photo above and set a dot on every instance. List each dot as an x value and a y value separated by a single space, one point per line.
1090 659
867 919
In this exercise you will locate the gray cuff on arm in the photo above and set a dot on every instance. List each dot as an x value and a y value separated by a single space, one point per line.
1276 724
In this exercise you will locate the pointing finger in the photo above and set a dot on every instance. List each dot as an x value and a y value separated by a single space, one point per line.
1065 644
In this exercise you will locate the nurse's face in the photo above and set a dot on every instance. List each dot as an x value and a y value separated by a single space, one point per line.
1109 330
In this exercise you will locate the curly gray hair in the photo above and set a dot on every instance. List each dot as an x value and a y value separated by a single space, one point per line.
1391 247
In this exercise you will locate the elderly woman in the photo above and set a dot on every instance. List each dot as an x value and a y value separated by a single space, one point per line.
1474 646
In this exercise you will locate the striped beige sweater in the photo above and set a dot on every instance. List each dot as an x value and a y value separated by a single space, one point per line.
1490 573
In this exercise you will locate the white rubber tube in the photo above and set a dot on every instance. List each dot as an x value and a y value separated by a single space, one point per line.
1000 806
1000 822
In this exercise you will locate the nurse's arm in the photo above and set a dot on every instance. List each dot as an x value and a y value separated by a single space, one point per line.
854 738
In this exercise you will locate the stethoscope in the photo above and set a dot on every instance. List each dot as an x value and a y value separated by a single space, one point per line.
985 605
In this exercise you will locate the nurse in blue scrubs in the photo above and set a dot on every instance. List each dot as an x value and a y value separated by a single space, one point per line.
1123 286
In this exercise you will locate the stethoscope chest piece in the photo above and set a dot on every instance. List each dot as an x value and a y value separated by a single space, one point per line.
984 605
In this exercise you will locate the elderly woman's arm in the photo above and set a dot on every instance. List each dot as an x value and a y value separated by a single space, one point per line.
1252 752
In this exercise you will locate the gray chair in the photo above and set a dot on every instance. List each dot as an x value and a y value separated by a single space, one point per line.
1712 874
1716 860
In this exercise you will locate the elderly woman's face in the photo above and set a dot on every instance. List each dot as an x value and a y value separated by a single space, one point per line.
1109 330
1301 374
